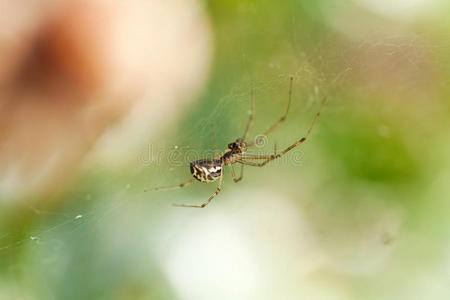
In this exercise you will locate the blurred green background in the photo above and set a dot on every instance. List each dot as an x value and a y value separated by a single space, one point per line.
360 211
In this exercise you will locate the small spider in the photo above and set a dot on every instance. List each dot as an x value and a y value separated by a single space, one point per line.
209 170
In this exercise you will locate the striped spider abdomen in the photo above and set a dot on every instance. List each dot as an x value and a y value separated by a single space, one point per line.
206 170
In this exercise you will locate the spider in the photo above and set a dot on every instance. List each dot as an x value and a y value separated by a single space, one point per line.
210 170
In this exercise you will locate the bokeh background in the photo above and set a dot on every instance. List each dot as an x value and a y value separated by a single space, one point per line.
102 99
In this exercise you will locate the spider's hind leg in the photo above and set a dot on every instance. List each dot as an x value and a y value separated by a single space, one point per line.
219 185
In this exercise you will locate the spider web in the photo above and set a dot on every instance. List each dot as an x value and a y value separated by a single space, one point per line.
316 76
238 99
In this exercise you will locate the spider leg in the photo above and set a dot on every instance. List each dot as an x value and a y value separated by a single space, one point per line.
249 163
234 176
210 197
283 117
269 158
257 156
213 137
251 120
171 187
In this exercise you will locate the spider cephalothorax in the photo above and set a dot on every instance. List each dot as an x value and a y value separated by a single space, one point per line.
208 170
238 146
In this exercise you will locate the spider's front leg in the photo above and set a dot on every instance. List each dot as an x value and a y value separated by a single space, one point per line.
280 120
268 158
251 120
213 137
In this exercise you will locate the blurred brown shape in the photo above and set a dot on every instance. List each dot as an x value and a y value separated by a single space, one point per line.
70 70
